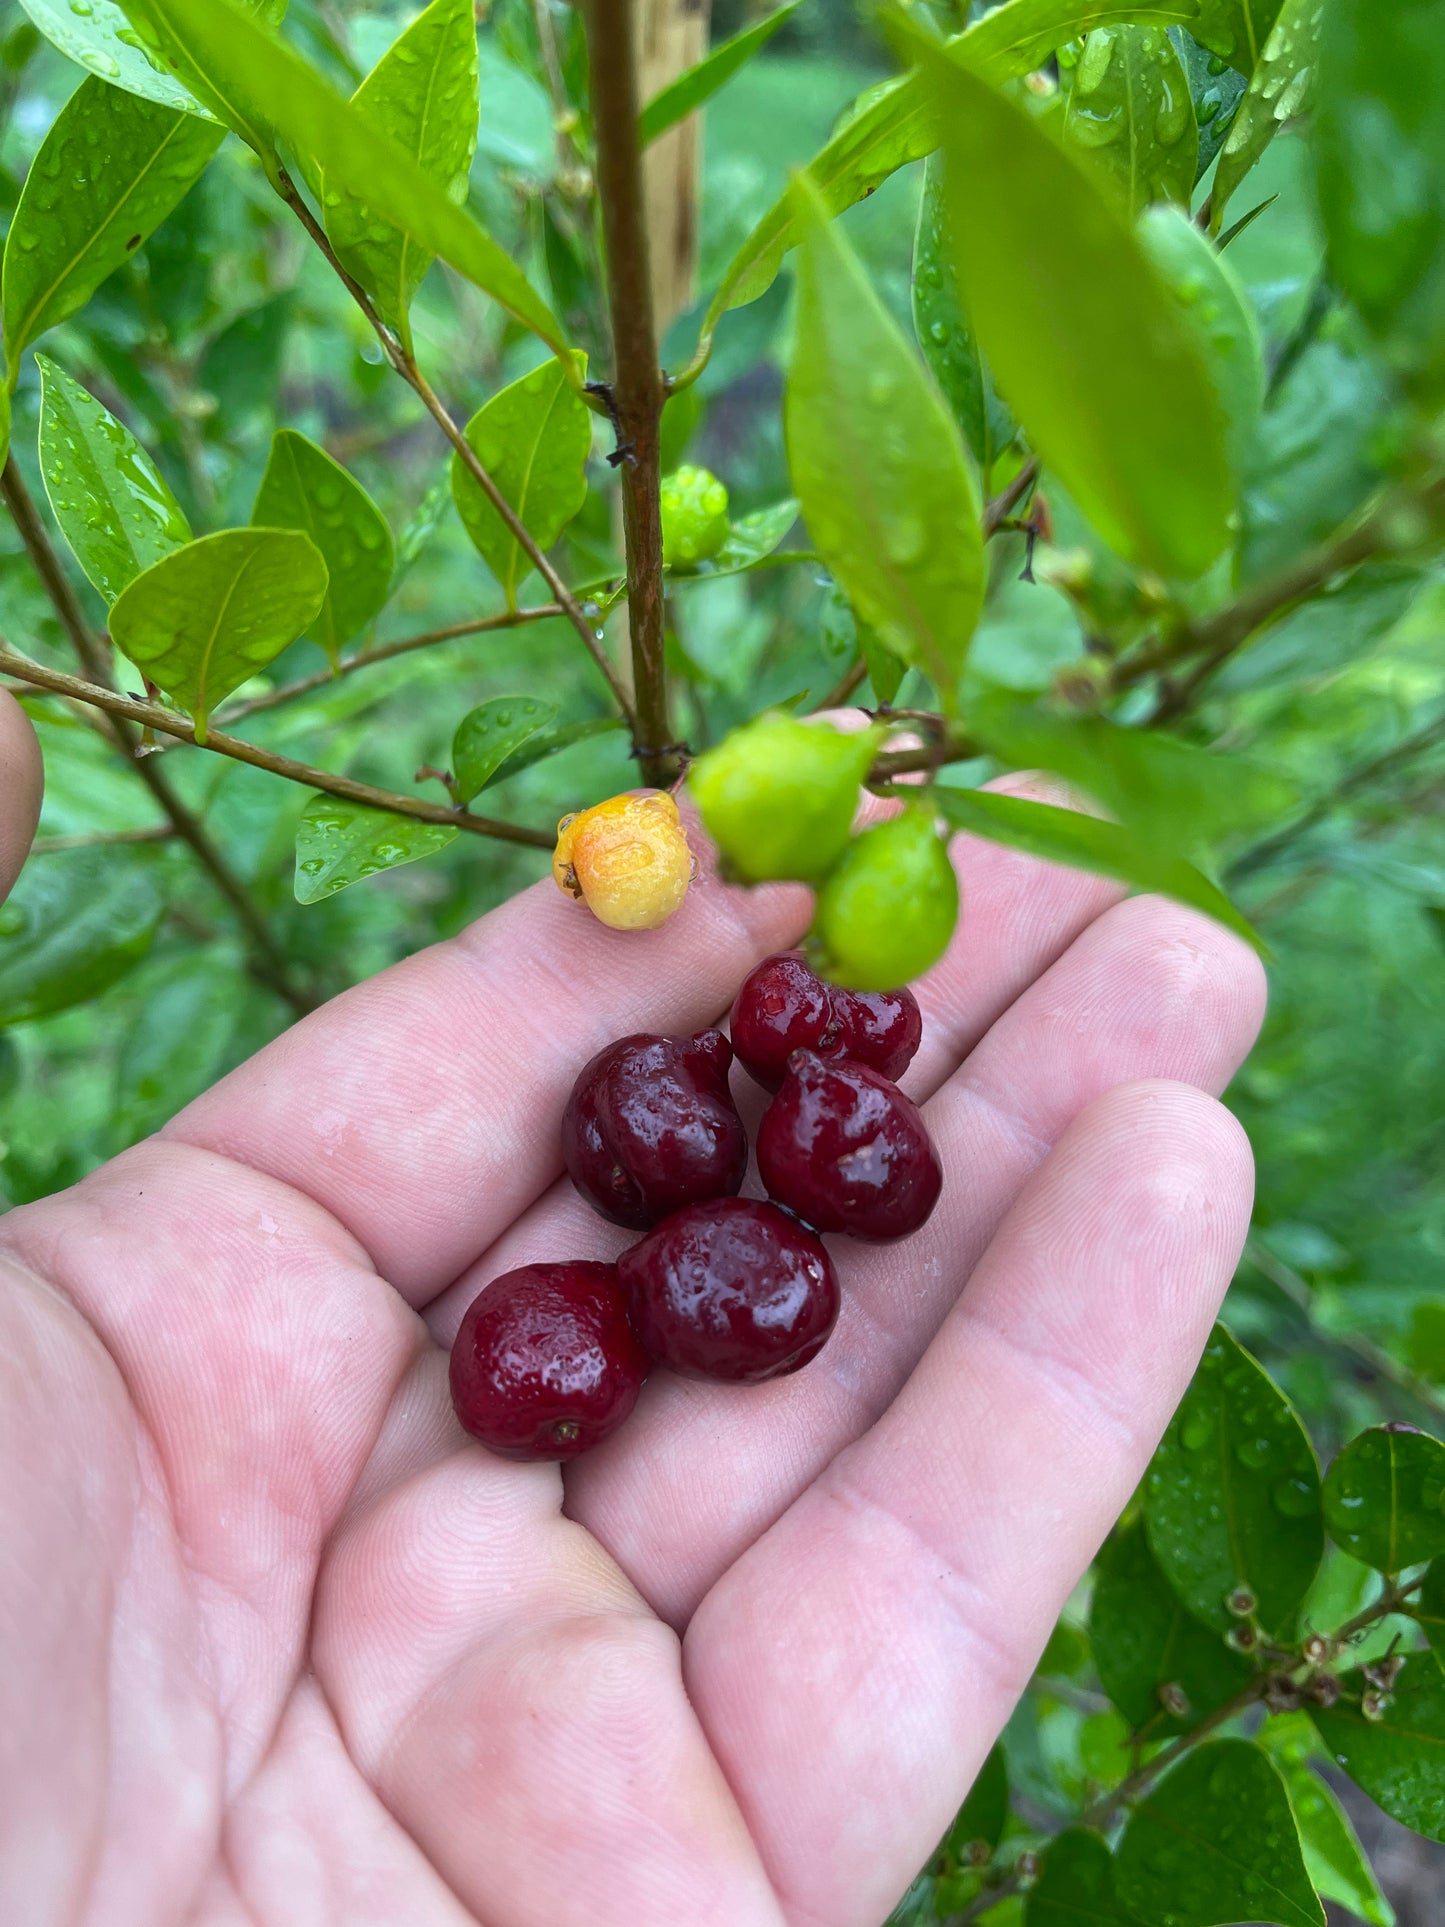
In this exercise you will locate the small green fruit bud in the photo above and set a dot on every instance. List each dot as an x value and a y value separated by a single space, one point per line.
778 797
694 517
885 915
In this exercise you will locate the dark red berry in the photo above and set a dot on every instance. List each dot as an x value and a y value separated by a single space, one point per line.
783 1007
847 1151
736 1289
651 1126
546 1364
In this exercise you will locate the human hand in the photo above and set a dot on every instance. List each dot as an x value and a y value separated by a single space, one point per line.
19 789
283 1646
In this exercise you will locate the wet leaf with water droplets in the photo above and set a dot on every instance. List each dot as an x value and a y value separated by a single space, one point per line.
1379 140
487 735
1085 343
544 743
1384 1498
751 539
1236 30
423 92
204 618
74 924
945 336
1216 89
303 488
1076 1887
1334 1858
1233 1497
1144 1639
533 439
95 35
1278 91
1429 1609
109 171
339 843
113 506
889 496
1399 1758
1131 114
1216 1842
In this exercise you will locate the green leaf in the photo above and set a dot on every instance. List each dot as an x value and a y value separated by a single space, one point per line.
178 1043
113 507
339 843
945 336
1087 843
1429 1609
1234 1495
108 173
1144 1640
690 90
1216 90
100 38
1076 1886
984 1814
1086 344
73 925
752 539
267 92
1278 90
1380 153
887 491
1130 110
1235 29
1213 303
487 736
303 488
4 423
1172 796
204 618
1385 1498
550 742
1216 1842
1399 1757
1334 1859
533 439
899 126
423 93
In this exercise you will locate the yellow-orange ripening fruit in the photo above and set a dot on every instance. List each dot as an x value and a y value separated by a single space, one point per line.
627 859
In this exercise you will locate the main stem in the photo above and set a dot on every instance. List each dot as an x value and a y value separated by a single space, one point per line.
638 388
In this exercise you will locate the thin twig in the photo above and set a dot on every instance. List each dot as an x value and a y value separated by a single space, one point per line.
406 366
1001 506
638 389
384 652
847 684
170 723
268 961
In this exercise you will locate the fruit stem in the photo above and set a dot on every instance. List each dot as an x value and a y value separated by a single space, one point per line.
638 389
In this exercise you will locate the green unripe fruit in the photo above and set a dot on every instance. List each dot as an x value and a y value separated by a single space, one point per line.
694 517
778 797
886 913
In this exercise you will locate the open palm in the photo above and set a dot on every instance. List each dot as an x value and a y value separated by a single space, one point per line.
280 1645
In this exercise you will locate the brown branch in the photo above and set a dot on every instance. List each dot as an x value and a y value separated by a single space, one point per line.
999 507
847 685
323 678
170 723
268 960
638 388
405 365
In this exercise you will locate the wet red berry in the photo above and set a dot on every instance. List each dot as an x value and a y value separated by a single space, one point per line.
783 1007
736 1290
546 1364
651 1126
847 1151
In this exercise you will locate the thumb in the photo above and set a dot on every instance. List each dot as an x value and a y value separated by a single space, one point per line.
21 780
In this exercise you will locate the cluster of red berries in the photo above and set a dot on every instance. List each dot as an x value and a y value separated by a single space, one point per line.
550 1358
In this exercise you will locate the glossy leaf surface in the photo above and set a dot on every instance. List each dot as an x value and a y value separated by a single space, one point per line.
1076 1887
487 735
303 488
1385 1498
340 843
202 620
1279 89
1233 1495
423 93
1236 29
74 924
945 336
1085 343
1131 112
1216 1843
111 502
533 439
1334 1858
879 465
1398 1758
108 172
